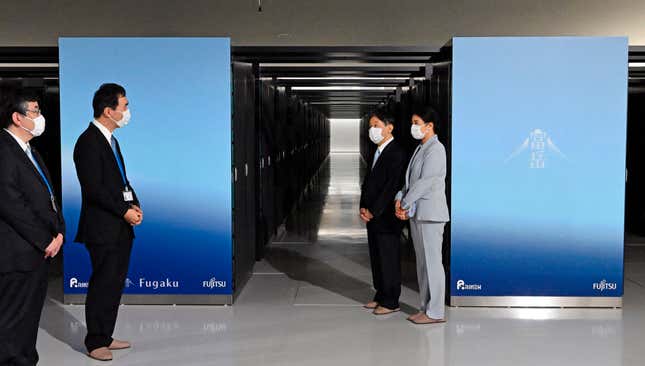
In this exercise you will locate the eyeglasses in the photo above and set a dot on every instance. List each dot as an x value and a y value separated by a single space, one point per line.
37 112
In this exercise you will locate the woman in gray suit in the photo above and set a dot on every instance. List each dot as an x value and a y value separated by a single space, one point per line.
423 201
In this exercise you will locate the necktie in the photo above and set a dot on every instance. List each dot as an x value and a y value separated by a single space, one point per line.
118 160
376 155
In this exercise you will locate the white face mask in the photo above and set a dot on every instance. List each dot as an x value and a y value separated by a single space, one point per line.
39 126
376 135
124 120
416 132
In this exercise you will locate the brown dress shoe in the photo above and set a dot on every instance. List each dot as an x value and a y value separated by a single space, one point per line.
101 354
371 305
415 316
424 319
117 344
384 311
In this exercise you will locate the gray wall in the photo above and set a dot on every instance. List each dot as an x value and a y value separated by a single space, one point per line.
317 22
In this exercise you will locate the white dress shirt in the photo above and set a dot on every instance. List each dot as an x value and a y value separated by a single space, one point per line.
379 151
384 145
104 130
24 146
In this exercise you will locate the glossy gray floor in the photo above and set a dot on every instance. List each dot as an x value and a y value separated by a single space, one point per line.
302 307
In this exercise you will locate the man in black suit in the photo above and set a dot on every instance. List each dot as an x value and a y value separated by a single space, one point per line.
109 211
379 189
31 227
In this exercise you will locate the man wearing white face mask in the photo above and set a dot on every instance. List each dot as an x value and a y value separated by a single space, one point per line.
32 228
423 199
377 210
109 211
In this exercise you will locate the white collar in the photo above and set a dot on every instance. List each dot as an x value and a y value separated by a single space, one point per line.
23 145
104 130
384 145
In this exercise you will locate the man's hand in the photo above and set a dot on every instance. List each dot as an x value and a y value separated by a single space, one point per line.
400 213
363 217
366 215
133 217
54 247
140 211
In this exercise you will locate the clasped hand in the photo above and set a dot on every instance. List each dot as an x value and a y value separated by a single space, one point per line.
54 246
400 213
366 215
134 216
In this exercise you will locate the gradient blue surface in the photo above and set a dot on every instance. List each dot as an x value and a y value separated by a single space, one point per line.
541 214
177 150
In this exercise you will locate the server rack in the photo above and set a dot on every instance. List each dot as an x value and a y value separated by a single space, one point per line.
293 142
244 174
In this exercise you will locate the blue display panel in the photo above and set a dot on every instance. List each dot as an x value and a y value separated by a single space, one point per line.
177 150
538 166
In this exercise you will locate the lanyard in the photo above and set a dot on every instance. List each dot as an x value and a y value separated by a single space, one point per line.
42 175
40 171
118 162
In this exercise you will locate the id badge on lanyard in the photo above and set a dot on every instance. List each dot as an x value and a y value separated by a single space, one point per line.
54 206
127 195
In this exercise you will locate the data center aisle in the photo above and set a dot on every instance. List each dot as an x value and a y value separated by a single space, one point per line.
302 307
323 249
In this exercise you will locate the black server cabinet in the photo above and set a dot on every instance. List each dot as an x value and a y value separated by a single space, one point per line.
244 151
635 196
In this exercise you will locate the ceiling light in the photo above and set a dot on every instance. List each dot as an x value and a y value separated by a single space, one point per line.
340 64
29 64
341 103
343 88
348 78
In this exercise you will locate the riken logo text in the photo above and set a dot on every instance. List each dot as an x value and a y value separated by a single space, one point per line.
461 285
73 283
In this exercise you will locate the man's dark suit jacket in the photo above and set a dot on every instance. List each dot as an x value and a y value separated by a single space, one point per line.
380 186
101 221
28 222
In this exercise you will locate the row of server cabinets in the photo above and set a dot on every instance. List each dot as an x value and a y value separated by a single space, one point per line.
279 144
434 91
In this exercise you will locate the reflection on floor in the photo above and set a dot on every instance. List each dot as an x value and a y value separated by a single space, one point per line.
302 307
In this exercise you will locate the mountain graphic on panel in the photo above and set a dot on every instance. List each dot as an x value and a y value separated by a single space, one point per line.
538 143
